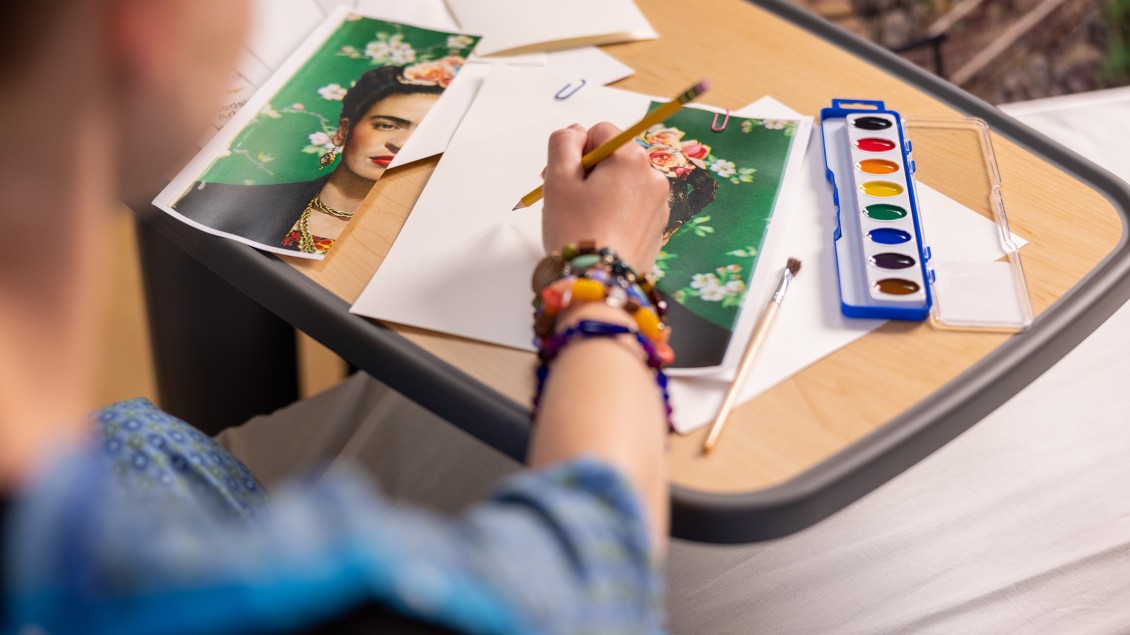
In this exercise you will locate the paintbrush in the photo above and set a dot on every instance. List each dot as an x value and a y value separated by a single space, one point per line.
792 268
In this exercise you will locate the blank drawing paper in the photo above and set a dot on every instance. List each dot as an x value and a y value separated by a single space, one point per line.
461 263
279 26
520 26
589 64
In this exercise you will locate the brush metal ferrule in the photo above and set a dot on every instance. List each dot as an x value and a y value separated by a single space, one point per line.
782 286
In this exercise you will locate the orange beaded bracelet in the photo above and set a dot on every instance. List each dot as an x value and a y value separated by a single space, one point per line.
584 273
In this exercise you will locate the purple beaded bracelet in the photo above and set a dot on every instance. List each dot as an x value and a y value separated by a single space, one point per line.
550 347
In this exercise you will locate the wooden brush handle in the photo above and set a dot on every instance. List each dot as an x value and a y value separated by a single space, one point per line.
746 364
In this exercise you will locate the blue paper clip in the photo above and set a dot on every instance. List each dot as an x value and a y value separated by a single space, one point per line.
562 97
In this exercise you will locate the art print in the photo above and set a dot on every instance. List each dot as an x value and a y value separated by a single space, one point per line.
294 165
724 182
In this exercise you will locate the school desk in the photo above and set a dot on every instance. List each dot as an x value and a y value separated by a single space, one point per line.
795 454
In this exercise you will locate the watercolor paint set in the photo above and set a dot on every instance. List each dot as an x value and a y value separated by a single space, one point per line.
886 266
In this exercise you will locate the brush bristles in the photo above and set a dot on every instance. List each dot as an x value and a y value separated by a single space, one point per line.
793 266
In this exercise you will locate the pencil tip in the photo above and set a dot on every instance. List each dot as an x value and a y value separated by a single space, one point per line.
793 266
518 206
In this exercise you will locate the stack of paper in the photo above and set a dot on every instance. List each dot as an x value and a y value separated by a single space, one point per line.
517 26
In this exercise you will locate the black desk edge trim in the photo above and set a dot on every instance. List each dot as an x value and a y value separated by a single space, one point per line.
364 343
722 518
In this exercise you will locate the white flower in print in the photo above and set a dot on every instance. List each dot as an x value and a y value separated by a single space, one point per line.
403 55
723 168
713 294
393 50
722 285
775 124
704 281
322 140
459 41
332 92
378 50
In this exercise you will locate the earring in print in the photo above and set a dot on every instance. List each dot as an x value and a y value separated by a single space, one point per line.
329 157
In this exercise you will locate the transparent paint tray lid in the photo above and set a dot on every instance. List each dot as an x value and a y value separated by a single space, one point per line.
972 291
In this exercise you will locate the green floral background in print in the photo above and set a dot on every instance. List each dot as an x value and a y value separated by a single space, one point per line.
284 141
707 263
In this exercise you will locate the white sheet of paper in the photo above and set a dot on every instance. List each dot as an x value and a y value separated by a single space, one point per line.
537 58
588 63
507 25
279 26
247 76
437 127
327 6
463 220
435 131
432 14
810 325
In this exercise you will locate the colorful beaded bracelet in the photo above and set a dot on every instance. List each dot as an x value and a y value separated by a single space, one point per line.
551 347
584 273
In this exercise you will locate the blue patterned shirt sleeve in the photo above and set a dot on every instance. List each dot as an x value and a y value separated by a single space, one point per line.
104 543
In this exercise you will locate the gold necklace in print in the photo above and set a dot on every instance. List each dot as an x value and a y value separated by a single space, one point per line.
306 239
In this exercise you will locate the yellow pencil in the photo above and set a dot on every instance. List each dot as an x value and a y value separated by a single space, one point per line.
608 147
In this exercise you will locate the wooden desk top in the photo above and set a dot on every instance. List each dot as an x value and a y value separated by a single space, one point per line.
748 52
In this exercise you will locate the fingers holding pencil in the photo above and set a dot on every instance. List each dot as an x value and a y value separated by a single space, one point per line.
621 203
605 149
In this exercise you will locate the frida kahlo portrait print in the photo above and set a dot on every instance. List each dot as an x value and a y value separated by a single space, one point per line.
293 174
724 186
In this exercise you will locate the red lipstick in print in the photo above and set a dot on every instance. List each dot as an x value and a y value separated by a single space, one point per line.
382 160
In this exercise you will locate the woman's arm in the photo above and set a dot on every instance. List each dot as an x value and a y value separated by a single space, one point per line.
600 398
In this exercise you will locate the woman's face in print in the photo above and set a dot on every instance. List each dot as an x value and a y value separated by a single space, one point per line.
381 132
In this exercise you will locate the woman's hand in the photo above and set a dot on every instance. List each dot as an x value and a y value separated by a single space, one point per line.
621 203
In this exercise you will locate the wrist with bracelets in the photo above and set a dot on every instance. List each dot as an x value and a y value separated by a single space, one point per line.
583 273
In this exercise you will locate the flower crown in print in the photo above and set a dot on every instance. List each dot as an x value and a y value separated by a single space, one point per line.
435 73
671 155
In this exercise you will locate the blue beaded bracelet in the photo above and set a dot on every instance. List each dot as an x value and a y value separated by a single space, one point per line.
550 347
